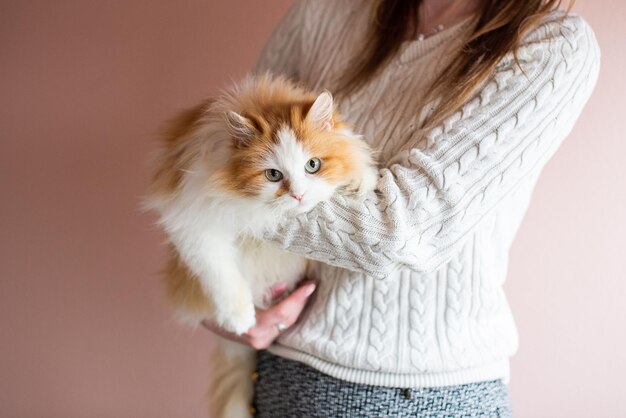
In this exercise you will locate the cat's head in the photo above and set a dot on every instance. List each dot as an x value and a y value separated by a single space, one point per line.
292 154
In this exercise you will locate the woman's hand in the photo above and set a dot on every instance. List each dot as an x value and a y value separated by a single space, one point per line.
272 321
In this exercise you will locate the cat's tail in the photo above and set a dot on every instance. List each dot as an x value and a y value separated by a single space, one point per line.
231 388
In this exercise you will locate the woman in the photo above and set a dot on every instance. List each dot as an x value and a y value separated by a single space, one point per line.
466 101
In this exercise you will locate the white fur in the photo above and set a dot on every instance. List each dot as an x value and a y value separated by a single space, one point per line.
231 390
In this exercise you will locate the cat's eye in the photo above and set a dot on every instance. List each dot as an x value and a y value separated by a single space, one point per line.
273 175
313 165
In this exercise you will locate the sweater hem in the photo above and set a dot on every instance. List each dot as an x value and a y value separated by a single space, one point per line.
498 369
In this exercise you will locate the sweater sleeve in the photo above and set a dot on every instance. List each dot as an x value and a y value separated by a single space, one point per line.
281 53
435 195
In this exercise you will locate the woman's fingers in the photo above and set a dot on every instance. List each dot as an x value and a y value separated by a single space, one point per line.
287 311
266 329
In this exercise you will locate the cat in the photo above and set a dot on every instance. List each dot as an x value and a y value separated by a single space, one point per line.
229 170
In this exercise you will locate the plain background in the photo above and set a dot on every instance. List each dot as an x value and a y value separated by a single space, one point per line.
84 327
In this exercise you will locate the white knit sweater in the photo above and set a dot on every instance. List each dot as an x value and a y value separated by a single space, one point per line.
411 280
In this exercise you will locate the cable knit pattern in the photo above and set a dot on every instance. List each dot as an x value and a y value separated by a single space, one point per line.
345 330
410 291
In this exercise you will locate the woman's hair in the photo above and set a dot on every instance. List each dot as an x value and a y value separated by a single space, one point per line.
500 26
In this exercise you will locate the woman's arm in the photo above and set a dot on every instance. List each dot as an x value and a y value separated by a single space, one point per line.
433 198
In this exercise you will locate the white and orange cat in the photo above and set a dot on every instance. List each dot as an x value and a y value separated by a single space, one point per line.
230 170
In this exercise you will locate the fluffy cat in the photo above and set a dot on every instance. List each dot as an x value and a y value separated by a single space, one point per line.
229 170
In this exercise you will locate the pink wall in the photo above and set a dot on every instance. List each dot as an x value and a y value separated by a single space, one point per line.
85 84
567 280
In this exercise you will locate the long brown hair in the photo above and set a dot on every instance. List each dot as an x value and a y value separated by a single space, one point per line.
500 26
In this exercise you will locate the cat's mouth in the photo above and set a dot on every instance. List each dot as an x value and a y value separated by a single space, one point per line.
303 206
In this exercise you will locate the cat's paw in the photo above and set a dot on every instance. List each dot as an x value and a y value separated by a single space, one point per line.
364 184
238 317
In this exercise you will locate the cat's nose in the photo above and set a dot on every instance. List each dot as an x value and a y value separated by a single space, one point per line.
298 197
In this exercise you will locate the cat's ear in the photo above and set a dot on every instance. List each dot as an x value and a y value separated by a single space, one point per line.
321 112
241 128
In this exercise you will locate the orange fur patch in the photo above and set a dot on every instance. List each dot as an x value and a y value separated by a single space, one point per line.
269 104
183 287
342 157
177 151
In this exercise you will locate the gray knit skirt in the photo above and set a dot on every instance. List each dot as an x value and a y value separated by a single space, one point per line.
287 388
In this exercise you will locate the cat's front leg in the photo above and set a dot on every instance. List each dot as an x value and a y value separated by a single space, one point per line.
234 307
212 258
